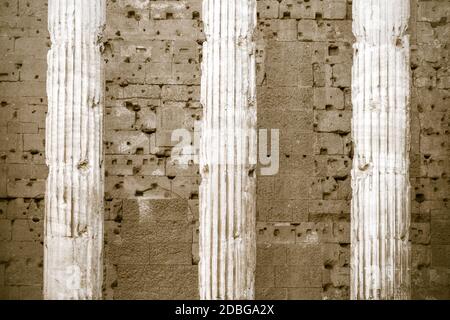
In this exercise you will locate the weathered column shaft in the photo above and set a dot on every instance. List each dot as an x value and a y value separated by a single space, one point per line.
73 266
380 266
228 151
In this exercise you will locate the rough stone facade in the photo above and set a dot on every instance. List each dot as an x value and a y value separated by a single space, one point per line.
304 90
153 52
430 149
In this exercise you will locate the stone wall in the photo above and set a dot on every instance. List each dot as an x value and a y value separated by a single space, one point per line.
304 90
430 149
23 105
153 52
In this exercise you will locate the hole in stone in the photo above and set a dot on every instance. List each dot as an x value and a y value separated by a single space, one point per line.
333 50
139 193
420 197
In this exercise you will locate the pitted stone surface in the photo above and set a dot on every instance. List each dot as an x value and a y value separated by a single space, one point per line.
152 51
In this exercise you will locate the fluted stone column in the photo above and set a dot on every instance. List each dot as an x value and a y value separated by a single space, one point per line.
74 131
380 263
228 151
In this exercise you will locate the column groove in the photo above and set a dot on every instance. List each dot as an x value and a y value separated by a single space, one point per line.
228 151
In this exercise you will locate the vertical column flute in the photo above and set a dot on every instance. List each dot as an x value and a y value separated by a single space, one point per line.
73 267
380 266
228 151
